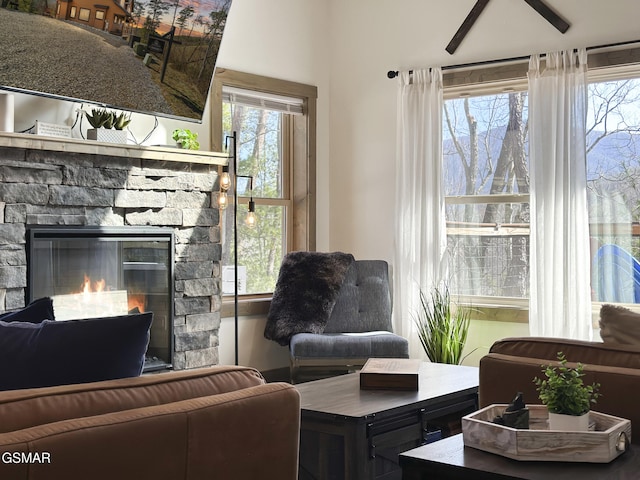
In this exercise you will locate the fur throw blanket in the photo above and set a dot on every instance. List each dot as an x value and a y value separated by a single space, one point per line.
306 291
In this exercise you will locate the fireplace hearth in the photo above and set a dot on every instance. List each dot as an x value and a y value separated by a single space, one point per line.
107 271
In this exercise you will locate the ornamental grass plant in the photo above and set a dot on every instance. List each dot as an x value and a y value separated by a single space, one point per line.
442 326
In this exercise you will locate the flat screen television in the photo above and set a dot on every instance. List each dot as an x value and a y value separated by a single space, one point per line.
153 56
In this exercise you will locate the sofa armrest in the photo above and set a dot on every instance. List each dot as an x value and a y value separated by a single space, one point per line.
244 434
595 353
503 376
20 409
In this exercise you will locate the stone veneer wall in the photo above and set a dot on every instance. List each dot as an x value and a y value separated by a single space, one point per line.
54 188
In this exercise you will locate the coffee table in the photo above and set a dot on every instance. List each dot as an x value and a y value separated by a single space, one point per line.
349 433
449 459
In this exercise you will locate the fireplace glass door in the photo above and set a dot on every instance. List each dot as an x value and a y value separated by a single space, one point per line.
103 272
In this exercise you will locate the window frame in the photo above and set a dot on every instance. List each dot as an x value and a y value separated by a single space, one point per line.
301 217
605 64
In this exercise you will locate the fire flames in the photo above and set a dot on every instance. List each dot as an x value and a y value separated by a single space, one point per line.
87 288
135 301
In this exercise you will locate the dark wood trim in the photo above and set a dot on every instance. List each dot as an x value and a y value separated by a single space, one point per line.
549 15
466 26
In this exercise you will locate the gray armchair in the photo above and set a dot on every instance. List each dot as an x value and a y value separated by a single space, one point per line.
359 326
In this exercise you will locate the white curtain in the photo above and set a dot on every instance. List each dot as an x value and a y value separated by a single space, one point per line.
560 298
420 225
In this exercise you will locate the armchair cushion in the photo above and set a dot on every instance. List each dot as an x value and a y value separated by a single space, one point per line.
364 301
349 345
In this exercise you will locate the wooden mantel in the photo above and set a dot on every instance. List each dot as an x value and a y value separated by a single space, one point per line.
73 145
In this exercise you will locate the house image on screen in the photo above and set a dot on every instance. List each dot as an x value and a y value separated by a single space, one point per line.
113 16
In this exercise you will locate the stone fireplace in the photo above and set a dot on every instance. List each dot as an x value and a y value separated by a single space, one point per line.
70 186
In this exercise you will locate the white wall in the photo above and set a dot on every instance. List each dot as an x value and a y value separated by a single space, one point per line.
370 37
289 40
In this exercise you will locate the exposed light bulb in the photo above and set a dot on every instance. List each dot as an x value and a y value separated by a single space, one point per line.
251 220
222 200
225 181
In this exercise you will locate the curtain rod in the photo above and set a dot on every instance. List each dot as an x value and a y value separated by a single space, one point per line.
395 73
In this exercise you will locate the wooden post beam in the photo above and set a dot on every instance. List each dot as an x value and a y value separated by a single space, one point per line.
466 26
538 5
549 15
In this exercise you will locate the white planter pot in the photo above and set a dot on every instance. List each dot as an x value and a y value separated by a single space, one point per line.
107 135
569 423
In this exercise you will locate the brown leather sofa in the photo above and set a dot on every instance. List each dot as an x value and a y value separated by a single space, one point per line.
220 422
513 363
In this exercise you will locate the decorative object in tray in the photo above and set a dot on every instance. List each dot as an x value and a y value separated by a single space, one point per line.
606 439
516 415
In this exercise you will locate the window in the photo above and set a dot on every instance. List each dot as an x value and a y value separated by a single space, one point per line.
84 14
613 189
99 14
487 194
72 12
486 182
264 163
275 124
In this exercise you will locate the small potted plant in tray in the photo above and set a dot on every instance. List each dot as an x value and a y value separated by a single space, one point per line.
566 396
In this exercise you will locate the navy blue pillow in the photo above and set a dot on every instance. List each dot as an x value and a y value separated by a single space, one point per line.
73 351
37 311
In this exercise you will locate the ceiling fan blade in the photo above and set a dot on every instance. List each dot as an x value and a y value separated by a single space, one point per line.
466 26
550 16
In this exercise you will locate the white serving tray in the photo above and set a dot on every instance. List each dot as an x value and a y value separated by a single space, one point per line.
607 438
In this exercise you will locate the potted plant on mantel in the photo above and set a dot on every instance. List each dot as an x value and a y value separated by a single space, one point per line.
108 126
566 396
186 139
442 326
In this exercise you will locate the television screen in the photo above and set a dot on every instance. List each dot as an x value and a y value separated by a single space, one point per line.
154 56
